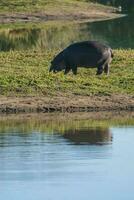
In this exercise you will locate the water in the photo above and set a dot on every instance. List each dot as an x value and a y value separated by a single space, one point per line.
127 5
118 33
72 160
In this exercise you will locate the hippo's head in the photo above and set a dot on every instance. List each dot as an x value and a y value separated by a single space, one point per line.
57 67
58 63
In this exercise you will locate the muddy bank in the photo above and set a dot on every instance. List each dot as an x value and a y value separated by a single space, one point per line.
72 103
42 17
66 117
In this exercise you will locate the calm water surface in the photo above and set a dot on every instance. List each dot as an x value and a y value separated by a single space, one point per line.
127 5
79 161
118 33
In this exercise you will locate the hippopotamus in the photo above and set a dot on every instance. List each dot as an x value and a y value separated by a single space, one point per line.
88 54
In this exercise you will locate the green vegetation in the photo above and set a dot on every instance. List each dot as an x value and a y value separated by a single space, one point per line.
45 6
25 73
40 10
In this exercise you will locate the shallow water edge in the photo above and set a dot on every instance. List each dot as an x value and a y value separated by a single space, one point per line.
115 116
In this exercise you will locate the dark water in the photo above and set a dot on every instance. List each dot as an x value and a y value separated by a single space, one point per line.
127 5
70 160
118 33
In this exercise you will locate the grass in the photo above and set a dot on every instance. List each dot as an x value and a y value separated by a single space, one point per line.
46 6
38 10
25 73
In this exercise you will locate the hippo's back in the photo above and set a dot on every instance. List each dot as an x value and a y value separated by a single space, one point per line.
86 53
92 46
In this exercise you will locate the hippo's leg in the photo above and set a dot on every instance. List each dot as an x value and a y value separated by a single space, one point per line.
106 69
67 69
74 70
99 70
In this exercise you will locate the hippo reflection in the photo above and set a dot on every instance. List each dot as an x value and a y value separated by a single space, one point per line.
89 136
83 54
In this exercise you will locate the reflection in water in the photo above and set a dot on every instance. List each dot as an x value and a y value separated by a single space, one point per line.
45 159
16 39
91 136
48 150
45 38
119 33
97 136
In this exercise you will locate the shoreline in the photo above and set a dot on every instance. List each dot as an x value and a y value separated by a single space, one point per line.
19 18
66 117
15 18
76 11
66 104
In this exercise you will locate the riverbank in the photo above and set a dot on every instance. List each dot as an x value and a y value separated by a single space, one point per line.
69 104
69 10
27 86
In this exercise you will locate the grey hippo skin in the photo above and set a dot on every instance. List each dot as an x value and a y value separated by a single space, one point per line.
88 54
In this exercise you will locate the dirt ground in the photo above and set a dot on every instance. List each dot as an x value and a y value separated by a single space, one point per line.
72 103
38 17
